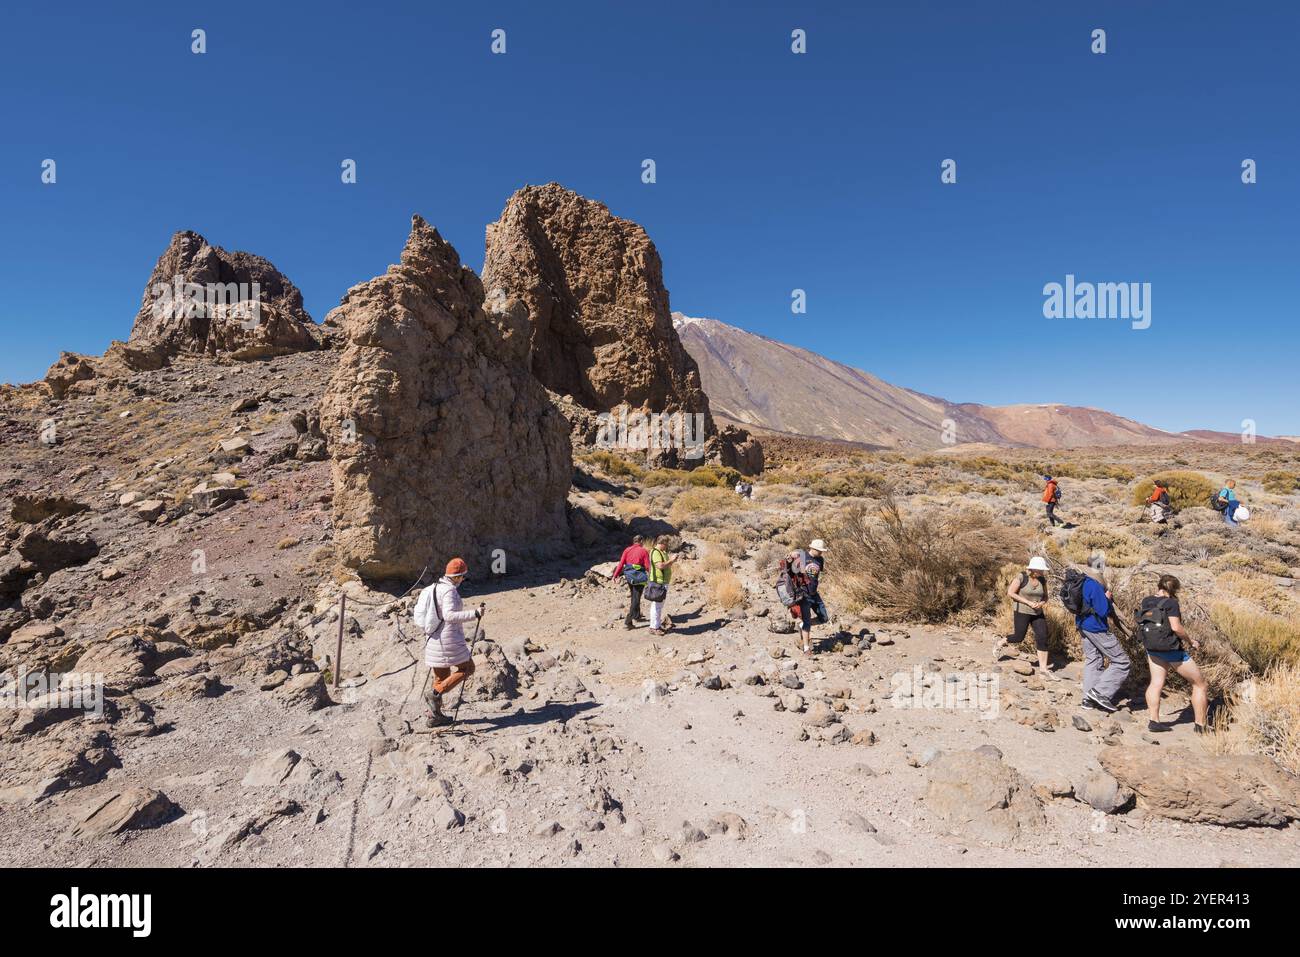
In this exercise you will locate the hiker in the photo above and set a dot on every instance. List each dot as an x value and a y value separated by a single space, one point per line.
633 565
744 489
1052 495
1227 502
440 614
801 574
1028 594
656 590
1105 662
1158 503
1160 626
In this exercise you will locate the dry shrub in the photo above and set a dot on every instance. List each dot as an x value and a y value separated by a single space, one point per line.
1243 561
1282 483
726 591
767 559
698 507
1062 636
1120 549
731 541
1186 489
1264 719
1259 590
612 464
706 476
630 508
1264 641
926 566
715 561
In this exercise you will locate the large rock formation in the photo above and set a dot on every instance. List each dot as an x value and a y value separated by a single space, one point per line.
602 331
443 443
203 300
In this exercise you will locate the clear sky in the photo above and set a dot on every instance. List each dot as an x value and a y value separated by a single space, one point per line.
775 171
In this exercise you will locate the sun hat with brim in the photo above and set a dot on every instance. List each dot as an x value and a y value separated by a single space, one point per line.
817 545
1038 564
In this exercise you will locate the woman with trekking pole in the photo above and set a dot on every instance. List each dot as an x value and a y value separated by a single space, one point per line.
440 614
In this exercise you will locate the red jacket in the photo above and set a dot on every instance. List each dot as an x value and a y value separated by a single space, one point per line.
633 555
1049 493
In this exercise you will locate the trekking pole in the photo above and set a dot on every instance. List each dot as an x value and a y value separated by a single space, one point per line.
455 715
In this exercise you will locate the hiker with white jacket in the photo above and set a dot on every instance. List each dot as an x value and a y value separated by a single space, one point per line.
441 615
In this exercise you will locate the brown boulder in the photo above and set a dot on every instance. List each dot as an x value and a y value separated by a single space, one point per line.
245 308
1232 790
442 441
980 797
131 809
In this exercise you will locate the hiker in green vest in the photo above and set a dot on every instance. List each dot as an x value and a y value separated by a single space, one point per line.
656 591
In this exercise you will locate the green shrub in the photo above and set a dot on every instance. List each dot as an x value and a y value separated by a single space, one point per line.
613 464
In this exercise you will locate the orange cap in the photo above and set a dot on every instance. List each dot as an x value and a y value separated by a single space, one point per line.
457 566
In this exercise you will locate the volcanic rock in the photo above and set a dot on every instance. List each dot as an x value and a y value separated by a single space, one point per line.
442 441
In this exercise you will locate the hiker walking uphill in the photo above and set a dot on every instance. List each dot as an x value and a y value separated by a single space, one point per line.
1160 626
1228 503
656 590
1051 496
1105 662
797 587
634 567
1028 594
441 615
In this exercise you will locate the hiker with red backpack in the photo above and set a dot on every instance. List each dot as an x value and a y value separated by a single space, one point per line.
797 587
1105 662
1160 626
1051 496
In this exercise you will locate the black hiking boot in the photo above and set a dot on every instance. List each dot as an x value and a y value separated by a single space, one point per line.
1155 727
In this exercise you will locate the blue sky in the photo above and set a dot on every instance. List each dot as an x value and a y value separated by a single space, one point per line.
776 171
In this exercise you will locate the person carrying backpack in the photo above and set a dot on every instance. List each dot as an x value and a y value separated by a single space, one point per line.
1227 502
1028 594
798 587
1158 503
1160 626
1105 662
440 615
656 590
1051 496
634 566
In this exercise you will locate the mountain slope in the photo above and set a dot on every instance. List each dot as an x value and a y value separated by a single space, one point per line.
761 383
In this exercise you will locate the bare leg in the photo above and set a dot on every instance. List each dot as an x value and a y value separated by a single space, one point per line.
1158 673
1200 690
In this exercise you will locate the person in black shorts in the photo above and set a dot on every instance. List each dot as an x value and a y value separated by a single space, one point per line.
1028 594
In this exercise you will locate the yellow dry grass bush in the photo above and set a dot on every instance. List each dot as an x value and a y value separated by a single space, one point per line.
1281 483
726 591
1119 549
731 541
1263 640
694 505
1186 489
612 464
1264 719
922 567
1259 590
706 476
630 508
1243 561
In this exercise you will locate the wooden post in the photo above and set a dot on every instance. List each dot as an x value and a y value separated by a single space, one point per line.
338 650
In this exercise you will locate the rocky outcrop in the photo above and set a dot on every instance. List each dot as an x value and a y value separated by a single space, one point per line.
1226 789
442 441
203 300
601 328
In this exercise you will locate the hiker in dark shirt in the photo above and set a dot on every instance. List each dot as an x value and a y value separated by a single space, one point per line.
1160 626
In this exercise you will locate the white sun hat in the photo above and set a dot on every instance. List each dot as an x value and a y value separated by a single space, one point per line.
1242 514
1039 564
817 545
